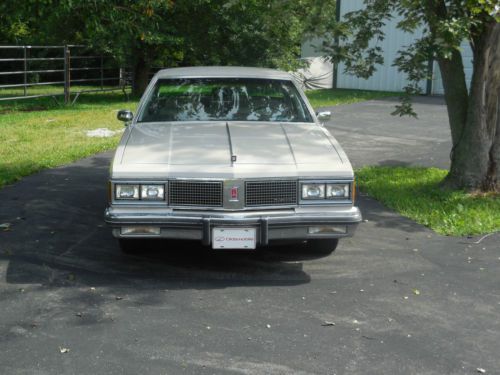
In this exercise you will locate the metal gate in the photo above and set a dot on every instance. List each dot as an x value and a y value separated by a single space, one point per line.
53 71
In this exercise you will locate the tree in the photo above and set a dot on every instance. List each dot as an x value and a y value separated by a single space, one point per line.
474 115
167 33
236 32
136 32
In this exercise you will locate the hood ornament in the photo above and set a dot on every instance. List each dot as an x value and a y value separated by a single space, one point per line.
233 156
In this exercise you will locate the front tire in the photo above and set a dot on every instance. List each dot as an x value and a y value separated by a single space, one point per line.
323 246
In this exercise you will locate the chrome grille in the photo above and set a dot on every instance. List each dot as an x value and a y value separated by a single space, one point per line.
270 193
195 193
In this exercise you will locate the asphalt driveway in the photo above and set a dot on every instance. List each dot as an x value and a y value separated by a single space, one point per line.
394 299
371 135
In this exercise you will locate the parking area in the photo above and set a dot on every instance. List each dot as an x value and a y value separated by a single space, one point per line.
395 299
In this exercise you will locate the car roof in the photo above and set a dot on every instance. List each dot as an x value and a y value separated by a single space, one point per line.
223 72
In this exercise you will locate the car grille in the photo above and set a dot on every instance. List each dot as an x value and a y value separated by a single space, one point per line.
195 193
270 193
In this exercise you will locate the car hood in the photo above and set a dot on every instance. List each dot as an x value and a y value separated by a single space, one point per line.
234 149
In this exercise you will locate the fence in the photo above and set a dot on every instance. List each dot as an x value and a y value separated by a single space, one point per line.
51 71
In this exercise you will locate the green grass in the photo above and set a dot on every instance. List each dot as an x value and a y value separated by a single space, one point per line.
416 193
39 134
49 102
329 97
32 90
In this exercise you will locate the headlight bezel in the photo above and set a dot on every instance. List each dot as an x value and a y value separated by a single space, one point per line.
347 187
139 197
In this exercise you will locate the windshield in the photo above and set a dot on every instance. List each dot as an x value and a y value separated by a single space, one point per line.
224 99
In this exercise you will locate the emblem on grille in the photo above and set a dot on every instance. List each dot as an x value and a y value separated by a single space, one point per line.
234 194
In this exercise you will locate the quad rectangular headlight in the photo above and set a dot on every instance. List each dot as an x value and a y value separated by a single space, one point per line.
324 190
126 191
146 192
313 191
153 192
337 191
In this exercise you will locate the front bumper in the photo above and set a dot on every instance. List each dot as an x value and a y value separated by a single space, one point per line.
270 224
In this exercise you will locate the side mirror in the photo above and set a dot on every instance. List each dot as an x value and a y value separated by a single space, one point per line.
324 116
125 115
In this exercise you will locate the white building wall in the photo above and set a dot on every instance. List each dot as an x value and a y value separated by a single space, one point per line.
386 77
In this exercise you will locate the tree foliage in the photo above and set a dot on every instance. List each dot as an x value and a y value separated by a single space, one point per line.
168 33
442 25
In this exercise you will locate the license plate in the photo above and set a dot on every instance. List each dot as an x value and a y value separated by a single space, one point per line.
234 238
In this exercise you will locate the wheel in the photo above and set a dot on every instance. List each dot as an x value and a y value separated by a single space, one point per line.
324 246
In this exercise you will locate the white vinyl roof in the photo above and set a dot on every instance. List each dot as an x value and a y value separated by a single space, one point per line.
223 72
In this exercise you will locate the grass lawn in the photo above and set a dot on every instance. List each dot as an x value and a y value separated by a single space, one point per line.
41 133
415 193
329 97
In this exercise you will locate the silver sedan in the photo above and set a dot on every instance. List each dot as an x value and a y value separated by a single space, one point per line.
234 157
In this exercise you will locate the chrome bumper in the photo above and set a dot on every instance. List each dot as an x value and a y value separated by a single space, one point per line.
270 224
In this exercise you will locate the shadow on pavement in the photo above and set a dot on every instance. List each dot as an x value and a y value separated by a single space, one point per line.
58 237
384 218
96 260
419 99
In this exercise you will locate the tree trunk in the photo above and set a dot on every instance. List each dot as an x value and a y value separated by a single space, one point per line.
455 93
475 163
142 68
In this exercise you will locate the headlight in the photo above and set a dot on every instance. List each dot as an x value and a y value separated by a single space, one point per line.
313 191
126 191
146 192
336 191
153 192
325 191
